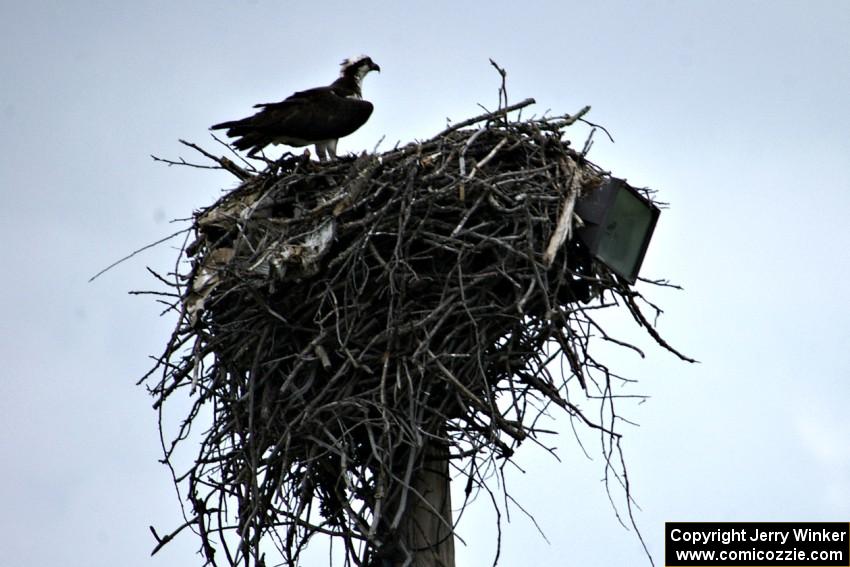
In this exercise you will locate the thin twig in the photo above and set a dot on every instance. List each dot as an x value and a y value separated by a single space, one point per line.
135 252
336 322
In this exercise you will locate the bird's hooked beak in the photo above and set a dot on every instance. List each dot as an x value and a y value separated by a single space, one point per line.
374 67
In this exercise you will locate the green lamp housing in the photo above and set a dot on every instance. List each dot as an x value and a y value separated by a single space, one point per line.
618 225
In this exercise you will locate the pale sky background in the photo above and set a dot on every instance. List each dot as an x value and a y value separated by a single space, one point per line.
737 112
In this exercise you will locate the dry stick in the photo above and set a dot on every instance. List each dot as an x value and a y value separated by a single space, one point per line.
461 162
487 158
485 116
565 220
569 119
222 161
142 249
503 91
509 428
230 148
638 314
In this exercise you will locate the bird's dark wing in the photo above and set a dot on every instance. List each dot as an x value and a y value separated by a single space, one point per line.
303 118
299 97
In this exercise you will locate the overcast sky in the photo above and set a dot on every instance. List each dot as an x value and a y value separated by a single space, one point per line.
736 112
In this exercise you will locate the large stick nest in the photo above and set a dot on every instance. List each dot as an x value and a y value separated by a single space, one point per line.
338 318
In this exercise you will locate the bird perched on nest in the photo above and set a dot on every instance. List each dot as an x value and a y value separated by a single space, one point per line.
319 116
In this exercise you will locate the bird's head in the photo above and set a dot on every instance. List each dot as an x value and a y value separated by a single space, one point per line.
358 67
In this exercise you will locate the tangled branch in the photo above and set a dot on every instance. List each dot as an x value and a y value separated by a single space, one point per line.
344 323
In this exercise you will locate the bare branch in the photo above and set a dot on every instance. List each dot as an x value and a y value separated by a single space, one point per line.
352 325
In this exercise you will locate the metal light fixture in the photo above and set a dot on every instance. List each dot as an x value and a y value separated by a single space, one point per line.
618 225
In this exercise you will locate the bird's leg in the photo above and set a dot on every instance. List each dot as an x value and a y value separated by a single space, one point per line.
331 147
321 152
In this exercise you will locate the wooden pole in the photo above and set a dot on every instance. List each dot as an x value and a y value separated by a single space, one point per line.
426 529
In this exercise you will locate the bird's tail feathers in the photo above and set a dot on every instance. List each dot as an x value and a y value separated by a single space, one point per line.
224 125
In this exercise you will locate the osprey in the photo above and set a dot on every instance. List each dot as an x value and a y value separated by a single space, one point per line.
319 116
